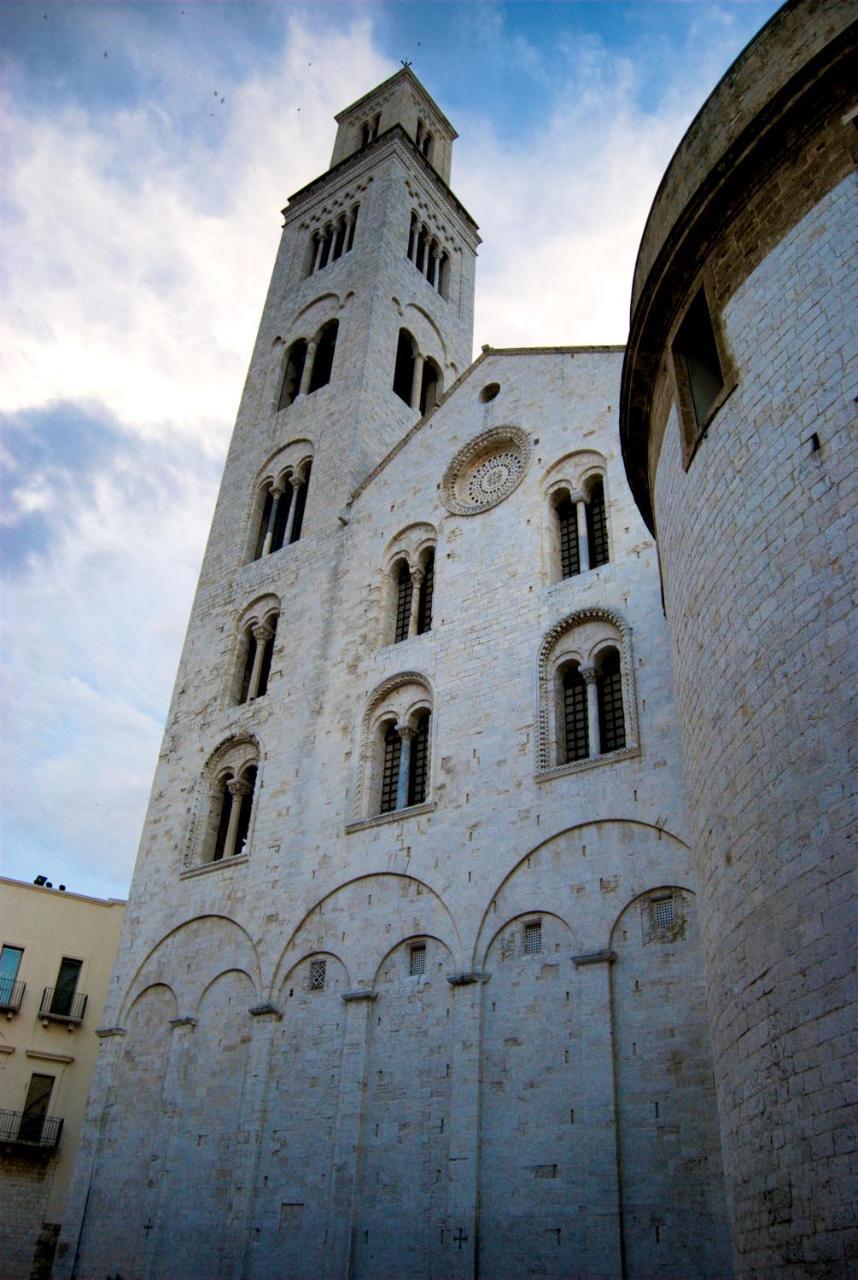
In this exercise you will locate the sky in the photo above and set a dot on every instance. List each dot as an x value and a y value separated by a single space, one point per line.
147 150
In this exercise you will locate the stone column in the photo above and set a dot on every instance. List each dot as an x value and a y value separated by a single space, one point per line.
297 482
158 1237
583 536
261 635
307 371
350 1105
102 1098
276 495
238 789
461 1241
593 737
596 1120
240 1224
417 382
416 583
405 736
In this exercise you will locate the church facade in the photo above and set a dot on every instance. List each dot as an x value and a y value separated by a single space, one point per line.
412 976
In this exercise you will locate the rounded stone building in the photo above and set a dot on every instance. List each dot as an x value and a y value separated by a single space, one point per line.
737 424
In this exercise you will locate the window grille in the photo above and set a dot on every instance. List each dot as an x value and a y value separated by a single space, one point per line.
419 763
424 615
390 770
403 603
597 526
567 527
417 960
575 735
533 938
664 917
612 728
317 975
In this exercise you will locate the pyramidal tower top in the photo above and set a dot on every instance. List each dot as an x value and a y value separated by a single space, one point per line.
400 101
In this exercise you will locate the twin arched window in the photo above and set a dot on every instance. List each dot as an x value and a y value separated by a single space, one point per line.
282 512
228 788
414 590
256 649
580 528
332 241
416 378
395 749
429 258
424 140
586 690
405 764
308 365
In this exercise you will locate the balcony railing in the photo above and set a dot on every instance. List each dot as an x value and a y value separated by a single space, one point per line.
33 1133
11 995
62 1006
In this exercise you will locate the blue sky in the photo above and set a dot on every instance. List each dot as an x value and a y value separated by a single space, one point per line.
148 149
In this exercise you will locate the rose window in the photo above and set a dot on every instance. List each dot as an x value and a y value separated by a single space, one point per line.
486 471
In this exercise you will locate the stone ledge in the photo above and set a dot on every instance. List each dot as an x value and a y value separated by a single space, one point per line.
466 978
266 1010
396 815
207 867
594 957
359 993
592 762
104 1033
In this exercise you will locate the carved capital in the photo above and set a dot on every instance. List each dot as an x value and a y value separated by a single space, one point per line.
405 732
261 633
588 674
238 787
417 576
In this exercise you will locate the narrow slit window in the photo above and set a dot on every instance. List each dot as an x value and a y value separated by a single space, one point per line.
612 728
427 591
418 772
567 531
597 525
390 769
696 348
292 374
575 738
263 524
533 938
404 588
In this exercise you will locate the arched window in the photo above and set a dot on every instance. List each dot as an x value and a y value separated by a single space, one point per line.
403 373
597 526
222 831
332 241
575 745
577 516
425 251
430 386
404 591
292 374
394 758
443 274
281 507
413 232
427 590
612 728
323 359
258 638
586 691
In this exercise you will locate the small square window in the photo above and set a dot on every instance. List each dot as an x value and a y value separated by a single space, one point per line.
417 960
317 975
664 917
533 938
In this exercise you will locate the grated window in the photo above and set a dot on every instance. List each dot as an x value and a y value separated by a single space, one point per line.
597 526
417 960
424 613
612 728
664 917
418 773
567 527
404 588
533 938
317 975
576 741
390 770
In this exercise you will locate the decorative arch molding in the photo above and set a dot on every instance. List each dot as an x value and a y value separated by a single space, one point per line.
227 973
573 471
639 854
235 754
519 918
258 610
394 895
651 893
545 672
410 543
314 953
329 298
292 457
420 936
421 311
384 703
150 989
229 942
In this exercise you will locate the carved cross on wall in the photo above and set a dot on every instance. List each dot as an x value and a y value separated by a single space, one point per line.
147 1227
460 1238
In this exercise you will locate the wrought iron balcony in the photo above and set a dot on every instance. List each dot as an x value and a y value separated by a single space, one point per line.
11 995
30 1133
62 1006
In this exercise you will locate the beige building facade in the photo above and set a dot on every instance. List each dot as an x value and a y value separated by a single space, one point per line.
56 953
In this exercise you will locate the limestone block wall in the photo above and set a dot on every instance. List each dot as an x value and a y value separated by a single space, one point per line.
388 1123
758 548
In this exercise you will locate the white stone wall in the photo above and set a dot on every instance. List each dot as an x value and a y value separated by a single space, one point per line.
757 544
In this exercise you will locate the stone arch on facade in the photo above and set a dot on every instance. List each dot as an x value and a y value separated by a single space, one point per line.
255 628
407 583
401 906
284 475
173 962
238 758
580 638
